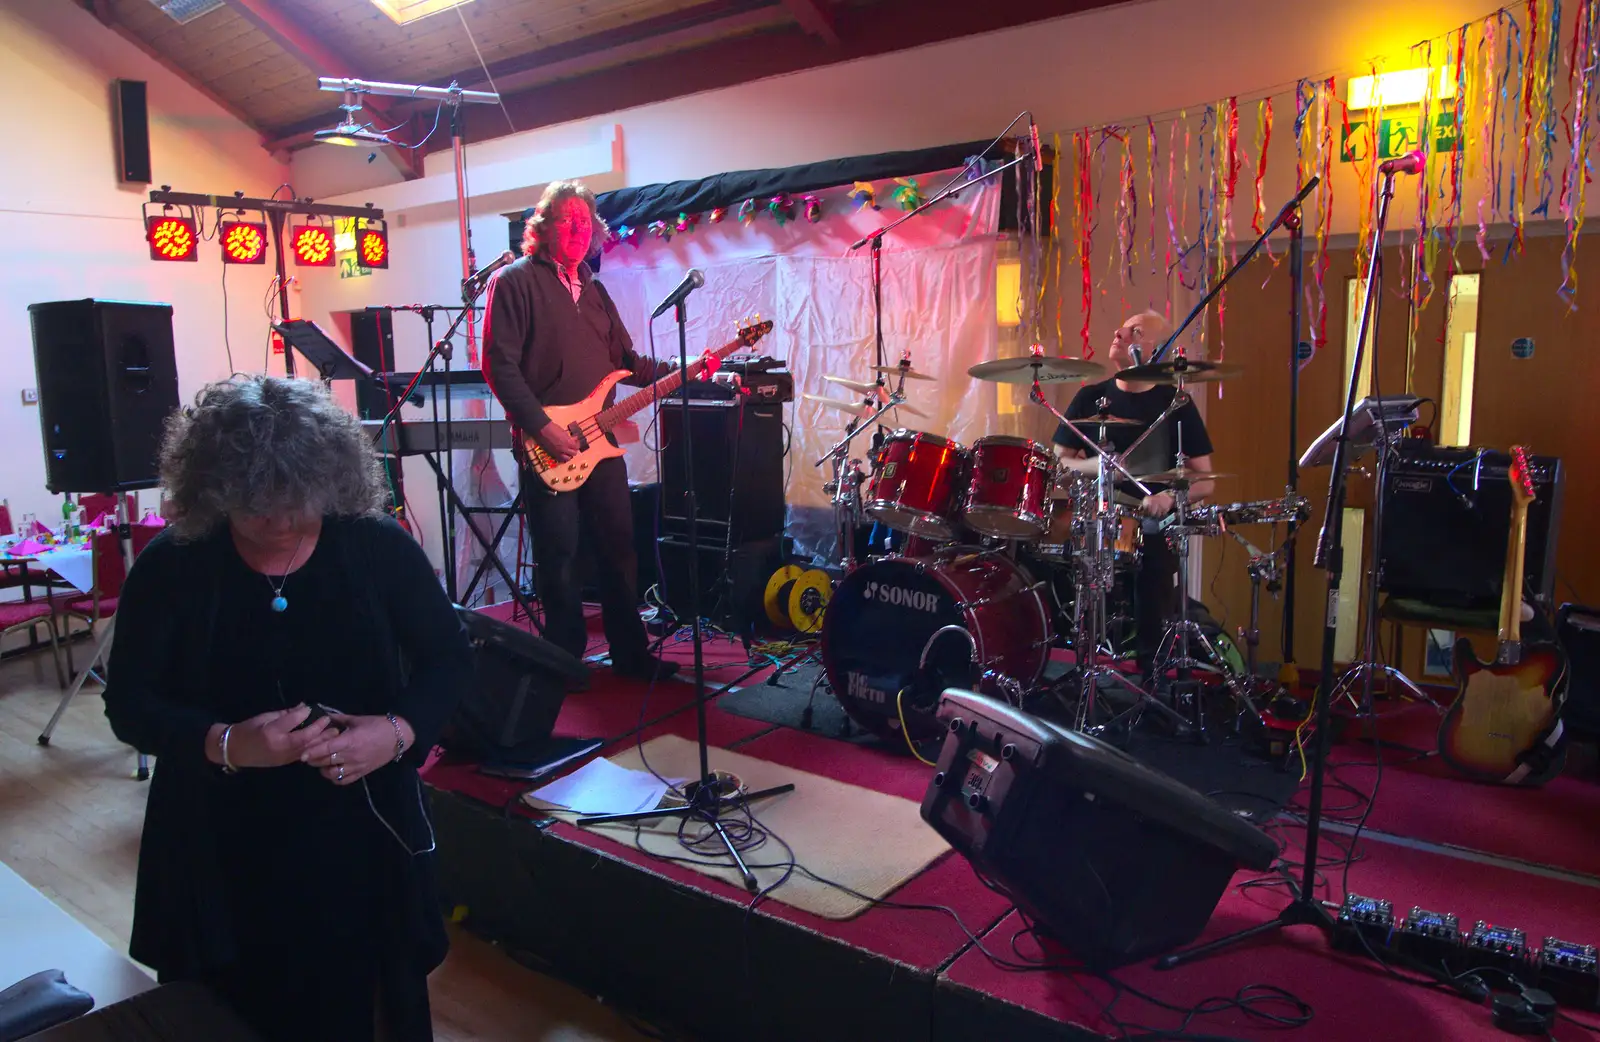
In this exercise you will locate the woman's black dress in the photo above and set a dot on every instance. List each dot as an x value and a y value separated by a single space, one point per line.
301 902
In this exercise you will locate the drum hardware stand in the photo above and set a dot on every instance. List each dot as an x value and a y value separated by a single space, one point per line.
1096 575
1263 569
1362 673
846 490
1305 909
711 796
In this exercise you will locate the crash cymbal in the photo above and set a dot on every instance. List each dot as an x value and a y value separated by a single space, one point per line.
852 385
1188 474
910 374
1049 369
1193 371
833 403
909 410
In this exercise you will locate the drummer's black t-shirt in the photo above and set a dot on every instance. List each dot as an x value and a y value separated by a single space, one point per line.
1160 450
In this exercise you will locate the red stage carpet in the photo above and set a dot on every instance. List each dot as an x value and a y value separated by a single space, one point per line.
1350 997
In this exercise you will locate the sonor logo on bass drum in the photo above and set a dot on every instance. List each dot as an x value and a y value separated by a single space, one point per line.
899 596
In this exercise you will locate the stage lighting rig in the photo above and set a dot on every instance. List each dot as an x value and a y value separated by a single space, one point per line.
277 213
171 237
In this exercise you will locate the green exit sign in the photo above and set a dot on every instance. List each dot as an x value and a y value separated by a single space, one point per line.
1396 135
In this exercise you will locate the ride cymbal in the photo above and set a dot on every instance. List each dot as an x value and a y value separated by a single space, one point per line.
1190 371
833 403
1045 368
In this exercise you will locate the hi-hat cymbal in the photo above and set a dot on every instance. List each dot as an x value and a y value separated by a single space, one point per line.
1104 420
1192 371
860 408
1188 474
1046 368
852 385
891 370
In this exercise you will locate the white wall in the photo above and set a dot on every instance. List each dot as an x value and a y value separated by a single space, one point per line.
69 230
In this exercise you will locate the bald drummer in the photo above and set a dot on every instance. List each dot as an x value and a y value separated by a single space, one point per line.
1156 587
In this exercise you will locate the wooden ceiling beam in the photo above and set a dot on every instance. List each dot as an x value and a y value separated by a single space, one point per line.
107 17
814 19
323 60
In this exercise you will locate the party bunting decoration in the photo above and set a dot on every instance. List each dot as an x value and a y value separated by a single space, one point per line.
686 222
717 215
661 230
813 208
628 235
781 207
906 195
747 211
864 195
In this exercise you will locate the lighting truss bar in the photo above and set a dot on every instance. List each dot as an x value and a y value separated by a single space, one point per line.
278 212
408 90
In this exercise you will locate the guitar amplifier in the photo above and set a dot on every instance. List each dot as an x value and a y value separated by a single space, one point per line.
1578 628
1447 520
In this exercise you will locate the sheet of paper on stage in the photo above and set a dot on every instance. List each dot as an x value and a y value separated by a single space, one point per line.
600 787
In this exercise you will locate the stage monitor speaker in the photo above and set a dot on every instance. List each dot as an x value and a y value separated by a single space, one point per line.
1117 862
1448 518
132 116
108 380
738 470
520 681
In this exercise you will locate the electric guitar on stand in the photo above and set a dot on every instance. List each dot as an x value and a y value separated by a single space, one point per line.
589 421
1504 725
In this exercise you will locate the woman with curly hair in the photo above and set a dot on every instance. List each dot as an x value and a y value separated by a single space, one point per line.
289 657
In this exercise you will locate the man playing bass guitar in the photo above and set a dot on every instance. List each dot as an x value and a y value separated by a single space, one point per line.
551 335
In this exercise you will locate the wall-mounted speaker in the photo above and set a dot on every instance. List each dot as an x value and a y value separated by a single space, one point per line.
1116 861
131 116
108 380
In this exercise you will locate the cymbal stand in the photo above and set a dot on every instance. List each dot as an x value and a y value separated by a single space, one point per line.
1175 650
1095 571
845 488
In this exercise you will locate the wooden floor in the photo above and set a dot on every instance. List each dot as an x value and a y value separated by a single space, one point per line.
70 816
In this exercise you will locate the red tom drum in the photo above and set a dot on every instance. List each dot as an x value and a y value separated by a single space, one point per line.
915 485
1008 490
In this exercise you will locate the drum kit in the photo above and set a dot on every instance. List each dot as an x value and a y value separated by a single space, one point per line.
1001 551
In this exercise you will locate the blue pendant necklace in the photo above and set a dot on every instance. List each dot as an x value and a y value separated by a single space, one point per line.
279 602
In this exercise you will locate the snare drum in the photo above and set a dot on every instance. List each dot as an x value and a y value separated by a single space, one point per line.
1007 492
914 487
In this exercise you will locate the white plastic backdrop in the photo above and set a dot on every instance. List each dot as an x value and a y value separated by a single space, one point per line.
938 306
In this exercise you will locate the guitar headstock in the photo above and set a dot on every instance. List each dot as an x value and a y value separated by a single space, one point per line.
1521 476
752 331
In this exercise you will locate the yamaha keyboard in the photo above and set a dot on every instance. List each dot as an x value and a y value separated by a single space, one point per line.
414 437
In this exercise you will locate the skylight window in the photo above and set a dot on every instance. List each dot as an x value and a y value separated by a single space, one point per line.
404 12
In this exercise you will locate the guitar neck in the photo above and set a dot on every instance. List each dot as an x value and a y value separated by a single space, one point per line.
1511 596
609 418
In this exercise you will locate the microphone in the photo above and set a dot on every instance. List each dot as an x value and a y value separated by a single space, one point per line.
1038 154
474 282
1138 357
691 282
1410 163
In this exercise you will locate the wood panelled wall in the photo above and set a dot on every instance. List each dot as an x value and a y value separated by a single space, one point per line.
1549 402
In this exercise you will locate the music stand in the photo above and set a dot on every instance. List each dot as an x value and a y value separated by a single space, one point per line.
331 360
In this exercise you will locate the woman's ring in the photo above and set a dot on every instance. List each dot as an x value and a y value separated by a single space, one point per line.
334 758
340 775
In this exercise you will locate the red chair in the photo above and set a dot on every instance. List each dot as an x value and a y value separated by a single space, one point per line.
6 527
94 504
110 570
16 616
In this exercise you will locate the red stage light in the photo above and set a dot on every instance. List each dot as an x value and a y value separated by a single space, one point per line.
313 246
171 238
374 251
244 242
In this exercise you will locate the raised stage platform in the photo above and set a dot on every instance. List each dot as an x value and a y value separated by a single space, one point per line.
947 959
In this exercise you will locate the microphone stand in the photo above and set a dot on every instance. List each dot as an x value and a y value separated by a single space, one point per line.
1288 672
711 796
1305 909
